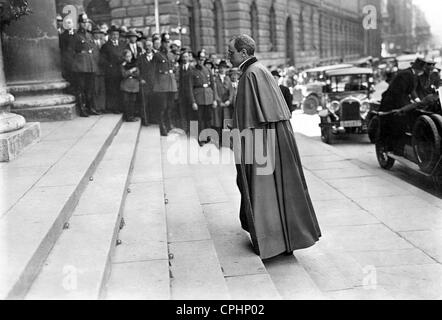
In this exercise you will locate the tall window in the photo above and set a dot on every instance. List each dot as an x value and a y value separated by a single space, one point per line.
219 26
290 42
321 37
254 23
313 26
301 31
273 37
194 23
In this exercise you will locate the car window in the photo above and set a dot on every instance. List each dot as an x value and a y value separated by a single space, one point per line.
349 83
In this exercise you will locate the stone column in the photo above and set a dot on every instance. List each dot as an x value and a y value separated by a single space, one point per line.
33 70
15 133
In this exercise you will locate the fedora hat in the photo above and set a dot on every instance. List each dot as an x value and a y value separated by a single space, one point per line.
132 33
113 29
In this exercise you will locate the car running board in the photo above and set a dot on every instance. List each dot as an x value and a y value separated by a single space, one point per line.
408 163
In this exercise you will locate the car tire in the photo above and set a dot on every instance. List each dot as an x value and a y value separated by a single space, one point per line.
374 129
385 162
326 131
310 105
426 143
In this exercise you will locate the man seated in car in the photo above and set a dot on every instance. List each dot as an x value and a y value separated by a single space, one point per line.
401 92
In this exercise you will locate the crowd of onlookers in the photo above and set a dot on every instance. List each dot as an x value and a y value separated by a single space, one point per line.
123 71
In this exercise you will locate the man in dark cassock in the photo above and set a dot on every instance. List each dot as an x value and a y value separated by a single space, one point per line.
84 67
202 93
145 64
165 85
111 53
276 208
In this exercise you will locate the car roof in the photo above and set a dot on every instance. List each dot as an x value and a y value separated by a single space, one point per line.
350 71
328 68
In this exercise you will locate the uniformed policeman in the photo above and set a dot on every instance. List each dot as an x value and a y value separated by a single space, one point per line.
202 92
84 67
165 85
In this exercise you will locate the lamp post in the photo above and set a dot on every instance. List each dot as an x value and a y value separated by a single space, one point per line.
157 17
178 3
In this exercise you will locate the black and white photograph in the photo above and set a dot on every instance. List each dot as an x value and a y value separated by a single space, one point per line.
220 150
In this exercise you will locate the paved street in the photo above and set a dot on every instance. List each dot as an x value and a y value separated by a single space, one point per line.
181 237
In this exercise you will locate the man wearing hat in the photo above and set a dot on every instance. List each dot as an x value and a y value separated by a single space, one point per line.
202 92
165 85
111 53
285 91
132 44
400 92
224 98
67 51
100 89
84 67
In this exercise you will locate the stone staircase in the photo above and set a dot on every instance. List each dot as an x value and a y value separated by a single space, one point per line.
123 215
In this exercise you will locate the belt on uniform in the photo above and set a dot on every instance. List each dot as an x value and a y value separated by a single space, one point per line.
88 51
203 86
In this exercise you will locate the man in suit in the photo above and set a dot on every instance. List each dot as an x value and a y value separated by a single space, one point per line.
67 51
401 92
185 111
133 45
100 88
202 92
285 91
111 53
146 66
165 83
224 98
84 67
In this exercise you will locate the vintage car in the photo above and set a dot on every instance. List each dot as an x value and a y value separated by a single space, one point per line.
346 104
420 146
309 91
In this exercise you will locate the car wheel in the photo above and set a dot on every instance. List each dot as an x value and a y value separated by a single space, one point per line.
426 143
374 129
310 105
326 131
385 162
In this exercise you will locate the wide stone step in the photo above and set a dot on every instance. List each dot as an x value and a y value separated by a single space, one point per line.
79 263
194 265
140 265
52 113
31 224
37 88
43 101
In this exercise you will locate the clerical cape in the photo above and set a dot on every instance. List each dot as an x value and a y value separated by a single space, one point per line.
276 208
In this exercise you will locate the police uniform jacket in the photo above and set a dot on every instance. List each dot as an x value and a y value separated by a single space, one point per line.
400 90
164 66
112 58
201 86
84 48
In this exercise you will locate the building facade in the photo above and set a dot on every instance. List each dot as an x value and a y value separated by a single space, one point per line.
295 32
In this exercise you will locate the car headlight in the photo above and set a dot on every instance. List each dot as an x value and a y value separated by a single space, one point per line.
334 106
364 108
